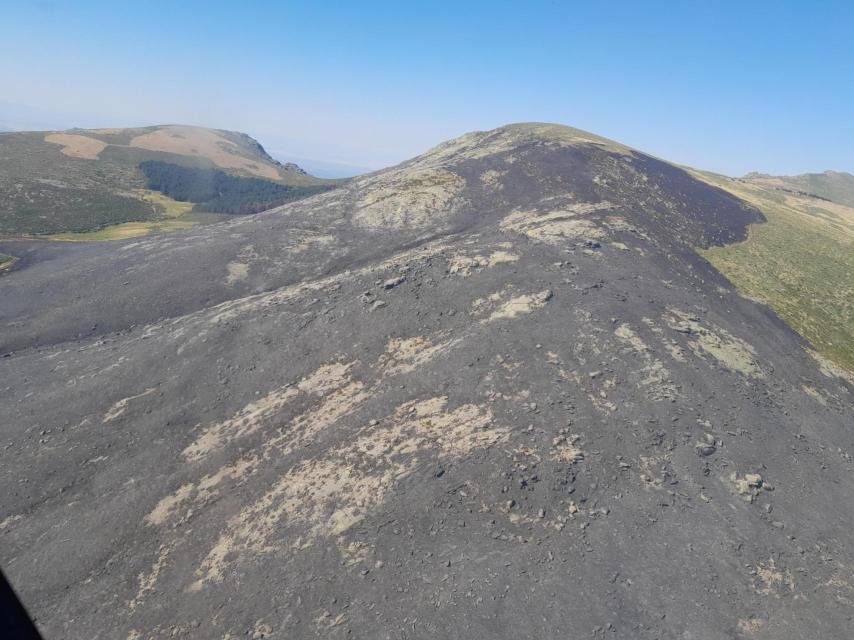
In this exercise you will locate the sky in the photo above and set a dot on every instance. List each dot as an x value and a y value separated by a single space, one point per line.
725 86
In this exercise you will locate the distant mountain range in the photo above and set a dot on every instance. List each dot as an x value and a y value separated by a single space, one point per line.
836 186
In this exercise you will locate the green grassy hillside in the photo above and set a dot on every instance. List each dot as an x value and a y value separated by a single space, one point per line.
800 263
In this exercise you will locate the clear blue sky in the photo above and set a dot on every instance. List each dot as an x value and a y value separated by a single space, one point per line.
727 86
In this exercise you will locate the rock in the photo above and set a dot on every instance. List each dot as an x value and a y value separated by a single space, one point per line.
706 449
378 304
393 282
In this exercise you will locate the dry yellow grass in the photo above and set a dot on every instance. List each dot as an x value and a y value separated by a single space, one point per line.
125 230
77 146
193 141
170 208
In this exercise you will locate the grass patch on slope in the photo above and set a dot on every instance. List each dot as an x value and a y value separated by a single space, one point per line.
800 263
172 216
6 261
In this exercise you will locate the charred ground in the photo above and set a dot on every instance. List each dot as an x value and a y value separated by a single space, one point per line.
491 391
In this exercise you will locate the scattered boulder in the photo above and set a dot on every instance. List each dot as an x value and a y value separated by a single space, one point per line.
391 283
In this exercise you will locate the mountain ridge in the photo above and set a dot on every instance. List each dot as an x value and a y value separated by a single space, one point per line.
836 186
83 180
493 391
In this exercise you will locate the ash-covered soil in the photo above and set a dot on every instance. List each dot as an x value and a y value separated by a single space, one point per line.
491 392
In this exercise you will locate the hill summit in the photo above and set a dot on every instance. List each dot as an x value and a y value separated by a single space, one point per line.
492 391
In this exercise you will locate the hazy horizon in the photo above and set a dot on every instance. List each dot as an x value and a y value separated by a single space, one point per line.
728 88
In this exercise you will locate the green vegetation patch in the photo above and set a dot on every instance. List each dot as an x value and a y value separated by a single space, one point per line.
799 263
218 192
6 261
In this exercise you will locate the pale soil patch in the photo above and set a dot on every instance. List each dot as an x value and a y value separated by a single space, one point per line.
734 353
204 143
301 431
409 198
676 352
750 626
492 178
311 241
628 335
653 376
554 227
121 406
601 403
404 355
325 496
340 396
325 621
167 505
770 580
814 393
237 271
146 581
77 146
10 520
520 305
464 265
747 486
565 451
250 418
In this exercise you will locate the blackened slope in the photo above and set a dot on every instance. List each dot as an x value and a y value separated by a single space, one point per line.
551 422
471 182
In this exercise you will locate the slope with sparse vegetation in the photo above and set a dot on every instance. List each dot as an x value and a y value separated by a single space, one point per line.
800 263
